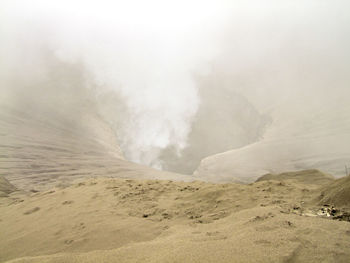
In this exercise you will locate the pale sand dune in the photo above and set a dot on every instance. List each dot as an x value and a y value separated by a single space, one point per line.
121 220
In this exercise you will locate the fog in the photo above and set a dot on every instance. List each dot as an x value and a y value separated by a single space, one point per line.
179 81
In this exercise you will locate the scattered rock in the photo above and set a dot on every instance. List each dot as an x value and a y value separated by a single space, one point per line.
261 218
68 241
31 211
342 216
67 202
6 187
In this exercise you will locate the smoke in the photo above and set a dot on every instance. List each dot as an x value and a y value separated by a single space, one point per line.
143 50
290 59
145 58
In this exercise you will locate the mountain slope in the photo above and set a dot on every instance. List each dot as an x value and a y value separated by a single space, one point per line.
315 139
52 133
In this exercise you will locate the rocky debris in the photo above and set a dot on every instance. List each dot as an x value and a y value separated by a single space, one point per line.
327 211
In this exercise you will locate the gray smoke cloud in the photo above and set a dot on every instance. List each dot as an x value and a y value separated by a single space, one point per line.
290 60
145 52
154 63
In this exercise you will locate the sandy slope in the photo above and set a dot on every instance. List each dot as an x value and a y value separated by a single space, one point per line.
52 133
38 152
120 220
314 139
336 193
5 187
